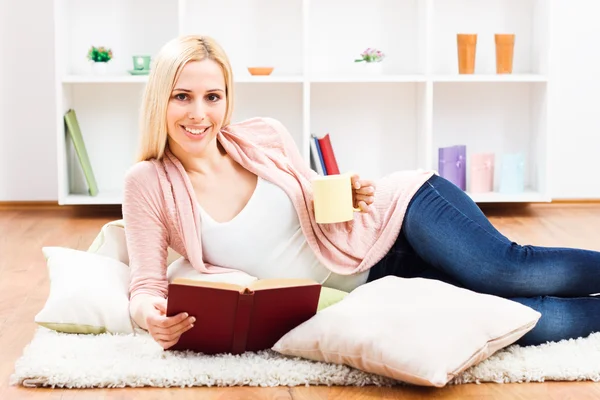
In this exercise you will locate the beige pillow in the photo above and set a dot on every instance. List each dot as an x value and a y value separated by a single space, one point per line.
419 331
88 293
111 242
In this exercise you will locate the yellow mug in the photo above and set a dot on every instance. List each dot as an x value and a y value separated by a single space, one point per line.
332 196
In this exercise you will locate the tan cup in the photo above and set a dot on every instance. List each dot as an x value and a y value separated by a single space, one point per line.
505 46
467 49
333 198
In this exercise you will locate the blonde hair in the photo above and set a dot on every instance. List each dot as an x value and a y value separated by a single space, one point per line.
165 71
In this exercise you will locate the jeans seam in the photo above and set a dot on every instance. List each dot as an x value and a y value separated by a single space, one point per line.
463 214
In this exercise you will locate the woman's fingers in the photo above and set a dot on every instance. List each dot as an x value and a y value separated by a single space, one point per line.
163 322
172 335
365 199
363 206
367 190
174 328
169 327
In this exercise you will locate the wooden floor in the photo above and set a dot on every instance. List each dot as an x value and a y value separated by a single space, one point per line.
24 288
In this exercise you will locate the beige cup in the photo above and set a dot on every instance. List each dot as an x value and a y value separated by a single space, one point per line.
505 47
467 51
333 198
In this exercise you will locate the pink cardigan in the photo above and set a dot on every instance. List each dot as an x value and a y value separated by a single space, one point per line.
160 211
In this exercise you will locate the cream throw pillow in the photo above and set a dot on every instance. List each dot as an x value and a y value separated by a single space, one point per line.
89 293
419 331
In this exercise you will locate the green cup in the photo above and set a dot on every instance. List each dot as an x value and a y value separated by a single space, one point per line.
141 63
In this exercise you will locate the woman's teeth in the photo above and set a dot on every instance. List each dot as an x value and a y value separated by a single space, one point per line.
195 131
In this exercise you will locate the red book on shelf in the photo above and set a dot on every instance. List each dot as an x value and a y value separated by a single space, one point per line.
328 155
233 319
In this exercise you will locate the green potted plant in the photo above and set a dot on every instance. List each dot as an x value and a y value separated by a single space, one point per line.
372 60
99 56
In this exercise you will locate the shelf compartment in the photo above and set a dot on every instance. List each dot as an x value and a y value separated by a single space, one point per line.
108 118
281 101
252 33
128 28
394 27
374 127
527 19
499 119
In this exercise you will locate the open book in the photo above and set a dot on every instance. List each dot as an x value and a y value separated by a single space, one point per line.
234 318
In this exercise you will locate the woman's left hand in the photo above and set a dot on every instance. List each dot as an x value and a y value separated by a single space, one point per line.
363 192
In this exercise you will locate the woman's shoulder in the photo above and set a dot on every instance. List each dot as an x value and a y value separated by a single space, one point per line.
142 173
257 126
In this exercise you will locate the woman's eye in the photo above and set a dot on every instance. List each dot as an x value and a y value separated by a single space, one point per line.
181 96
214 97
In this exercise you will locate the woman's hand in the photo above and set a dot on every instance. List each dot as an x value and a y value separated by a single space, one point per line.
363 192
165 330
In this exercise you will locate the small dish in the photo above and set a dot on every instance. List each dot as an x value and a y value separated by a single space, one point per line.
139 71
260 70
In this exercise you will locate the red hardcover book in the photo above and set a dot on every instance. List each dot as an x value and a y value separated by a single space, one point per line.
234 319
328 155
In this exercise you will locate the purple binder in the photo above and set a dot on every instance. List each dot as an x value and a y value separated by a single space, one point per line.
452 164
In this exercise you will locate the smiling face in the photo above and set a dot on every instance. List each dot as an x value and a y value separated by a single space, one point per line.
196 109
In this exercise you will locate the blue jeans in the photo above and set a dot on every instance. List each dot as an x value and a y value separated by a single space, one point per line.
445 236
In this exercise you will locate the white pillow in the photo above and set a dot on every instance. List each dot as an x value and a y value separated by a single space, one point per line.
419 331
89 293
111 242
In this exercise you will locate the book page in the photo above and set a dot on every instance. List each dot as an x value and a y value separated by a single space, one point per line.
206 284
263 284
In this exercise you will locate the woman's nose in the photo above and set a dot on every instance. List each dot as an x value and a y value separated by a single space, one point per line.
197 112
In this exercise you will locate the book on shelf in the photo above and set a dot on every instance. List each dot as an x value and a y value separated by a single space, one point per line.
323 159
316 158
329 159
233 318
74 131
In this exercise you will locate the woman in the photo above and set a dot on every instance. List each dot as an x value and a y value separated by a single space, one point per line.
237 197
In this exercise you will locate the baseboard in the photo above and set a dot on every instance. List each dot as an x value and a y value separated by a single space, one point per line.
12 205
91 209
576 201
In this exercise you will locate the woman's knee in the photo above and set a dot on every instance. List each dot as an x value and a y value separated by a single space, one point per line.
505 274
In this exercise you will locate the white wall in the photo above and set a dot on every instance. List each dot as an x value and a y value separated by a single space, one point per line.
574 102
27 136
27 125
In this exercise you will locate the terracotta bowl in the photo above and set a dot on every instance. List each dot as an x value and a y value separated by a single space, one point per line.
260 70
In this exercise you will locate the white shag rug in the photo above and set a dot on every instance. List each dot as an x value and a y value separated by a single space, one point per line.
103 361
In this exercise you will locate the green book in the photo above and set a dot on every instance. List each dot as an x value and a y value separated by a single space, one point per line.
75 134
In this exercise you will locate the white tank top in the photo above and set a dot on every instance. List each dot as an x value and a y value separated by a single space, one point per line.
265 240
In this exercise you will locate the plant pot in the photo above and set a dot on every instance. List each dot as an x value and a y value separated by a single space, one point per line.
99 68
505 44
467 48
370 68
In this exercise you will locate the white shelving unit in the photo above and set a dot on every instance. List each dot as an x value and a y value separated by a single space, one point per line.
378 123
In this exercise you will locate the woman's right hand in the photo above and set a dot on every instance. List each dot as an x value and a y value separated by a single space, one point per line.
165 330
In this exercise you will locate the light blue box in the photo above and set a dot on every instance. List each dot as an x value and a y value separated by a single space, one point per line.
512 173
